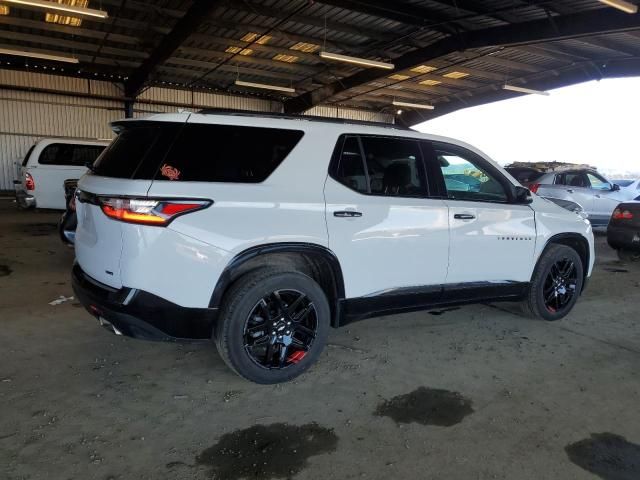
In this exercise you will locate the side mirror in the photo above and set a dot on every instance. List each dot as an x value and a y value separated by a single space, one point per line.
615 187
523 195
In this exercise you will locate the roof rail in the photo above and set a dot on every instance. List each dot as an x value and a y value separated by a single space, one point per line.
311 118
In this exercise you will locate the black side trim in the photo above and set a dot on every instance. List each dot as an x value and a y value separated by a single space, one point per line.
425 298
139 314
230 273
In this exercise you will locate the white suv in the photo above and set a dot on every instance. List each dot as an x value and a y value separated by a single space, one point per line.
260 232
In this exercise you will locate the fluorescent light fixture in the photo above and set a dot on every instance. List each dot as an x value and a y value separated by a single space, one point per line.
513 88
627 7
399 76
60 7
413 105
356 60
4 10
265 86
43 56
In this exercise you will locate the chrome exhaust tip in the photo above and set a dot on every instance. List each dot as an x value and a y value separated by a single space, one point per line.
109 326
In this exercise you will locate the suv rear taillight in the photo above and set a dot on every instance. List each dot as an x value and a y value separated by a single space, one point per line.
619 214
534 187
149 212
29 182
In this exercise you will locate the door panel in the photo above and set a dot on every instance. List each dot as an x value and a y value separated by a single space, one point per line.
491 238
490 242
396 242
385 231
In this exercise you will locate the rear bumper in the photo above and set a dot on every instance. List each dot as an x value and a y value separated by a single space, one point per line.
139 314
627 238
25 200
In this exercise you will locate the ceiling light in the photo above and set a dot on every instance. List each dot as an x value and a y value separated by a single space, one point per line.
627 7
430 82
399 112
43 56
513 88
281 57
413 105
455 75
398 76
264 86
252 37
66 19
59 7
241 51
356 60
423 69
305 47
4 10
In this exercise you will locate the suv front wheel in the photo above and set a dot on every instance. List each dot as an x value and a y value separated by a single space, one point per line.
556 283
273 325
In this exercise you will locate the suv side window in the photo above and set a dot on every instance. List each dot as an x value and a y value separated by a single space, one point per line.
384 166
466 178
597 182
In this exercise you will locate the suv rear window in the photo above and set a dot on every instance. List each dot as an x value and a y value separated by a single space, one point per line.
69 154
137 150
227 153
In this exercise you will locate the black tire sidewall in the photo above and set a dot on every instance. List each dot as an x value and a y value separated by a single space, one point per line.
237 308
552 255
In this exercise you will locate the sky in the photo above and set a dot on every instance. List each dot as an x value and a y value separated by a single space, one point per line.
597 123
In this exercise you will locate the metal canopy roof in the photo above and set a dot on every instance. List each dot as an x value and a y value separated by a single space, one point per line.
447 53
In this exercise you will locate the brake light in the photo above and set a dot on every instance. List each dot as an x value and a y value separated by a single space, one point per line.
619 214
149 212
534 187
29 182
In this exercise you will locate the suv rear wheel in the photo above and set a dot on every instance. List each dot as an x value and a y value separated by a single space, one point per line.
273 325
556 283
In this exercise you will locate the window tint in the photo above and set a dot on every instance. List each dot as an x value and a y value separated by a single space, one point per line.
465 178
69 154
227 153
137 150
394 166
524 175
597 182
391 166
351 167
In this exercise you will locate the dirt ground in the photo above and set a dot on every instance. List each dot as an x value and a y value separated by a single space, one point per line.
470 393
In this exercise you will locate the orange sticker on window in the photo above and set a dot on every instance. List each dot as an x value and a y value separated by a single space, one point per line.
172 173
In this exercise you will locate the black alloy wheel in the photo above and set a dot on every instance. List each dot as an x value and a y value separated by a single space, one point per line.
556 283
560 285
281 329
272 325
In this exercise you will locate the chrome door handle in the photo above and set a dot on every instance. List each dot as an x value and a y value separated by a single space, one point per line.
598 196
347 214
464 216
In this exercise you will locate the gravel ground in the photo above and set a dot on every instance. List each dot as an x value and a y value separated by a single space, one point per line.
472 393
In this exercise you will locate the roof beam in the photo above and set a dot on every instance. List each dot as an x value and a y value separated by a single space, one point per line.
400 12
535 31
194 17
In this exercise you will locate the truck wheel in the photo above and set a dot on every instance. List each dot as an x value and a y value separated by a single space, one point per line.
556 283
273 325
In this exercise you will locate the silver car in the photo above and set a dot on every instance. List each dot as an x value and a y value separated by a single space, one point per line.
597 195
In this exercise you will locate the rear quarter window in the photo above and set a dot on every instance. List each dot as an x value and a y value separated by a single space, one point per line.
227 153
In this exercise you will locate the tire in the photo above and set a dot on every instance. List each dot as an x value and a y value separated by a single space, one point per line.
547 271
628 256
242 316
